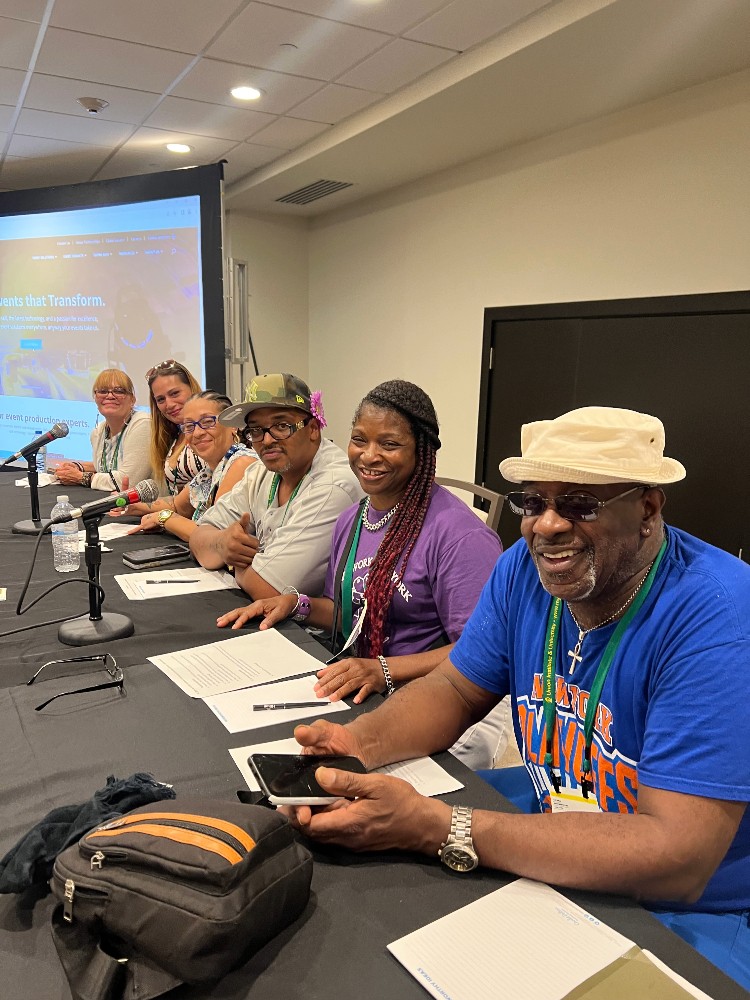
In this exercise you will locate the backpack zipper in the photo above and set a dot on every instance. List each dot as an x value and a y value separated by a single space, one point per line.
205 832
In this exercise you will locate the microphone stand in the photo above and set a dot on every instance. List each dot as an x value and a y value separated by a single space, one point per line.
32 527
99 626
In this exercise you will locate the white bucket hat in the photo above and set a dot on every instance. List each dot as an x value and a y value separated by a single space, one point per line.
594 445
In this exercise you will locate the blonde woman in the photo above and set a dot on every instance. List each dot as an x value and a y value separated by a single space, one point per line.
119 444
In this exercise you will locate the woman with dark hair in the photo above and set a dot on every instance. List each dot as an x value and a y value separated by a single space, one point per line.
225 461
173 460
119 444
407 565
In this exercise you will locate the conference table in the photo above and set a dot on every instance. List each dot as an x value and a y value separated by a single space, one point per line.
359 902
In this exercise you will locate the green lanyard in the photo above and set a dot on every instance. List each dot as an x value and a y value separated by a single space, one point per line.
550 679
105 467
273 490
347 610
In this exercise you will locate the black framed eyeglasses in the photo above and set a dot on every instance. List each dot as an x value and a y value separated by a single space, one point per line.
279 431
570 506
115 672
205 424
114 391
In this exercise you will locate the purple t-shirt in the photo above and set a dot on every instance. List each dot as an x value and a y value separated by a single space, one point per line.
451 561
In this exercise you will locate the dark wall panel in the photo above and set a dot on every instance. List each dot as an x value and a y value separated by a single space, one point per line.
685 359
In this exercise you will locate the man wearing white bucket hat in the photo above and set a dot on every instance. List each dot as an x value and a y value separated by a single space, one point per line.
625 648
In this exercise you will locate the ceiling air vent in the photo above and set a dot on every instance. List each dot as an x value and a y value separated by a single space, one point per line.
311 192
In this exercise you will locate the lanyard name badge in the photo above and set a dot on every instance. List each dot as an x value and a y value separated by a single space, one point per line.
577 799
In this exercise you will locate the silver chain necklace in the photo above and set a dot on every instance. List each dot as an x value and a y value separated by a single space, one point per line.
575 654
378 524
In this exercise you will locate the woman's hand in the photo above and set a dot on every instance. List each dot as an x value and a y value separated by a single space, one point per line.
149 522
68 474
340 679
274 609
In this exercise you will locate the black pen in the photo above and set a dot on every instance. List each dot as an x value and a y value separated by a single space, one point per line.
291 704
172 581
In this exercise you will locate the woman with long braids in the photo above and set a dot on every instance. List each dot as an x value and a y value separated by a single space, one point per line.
407 564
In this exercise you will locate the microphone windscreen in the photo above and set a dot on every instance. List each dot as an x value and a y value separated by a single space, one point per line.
60 430
147 490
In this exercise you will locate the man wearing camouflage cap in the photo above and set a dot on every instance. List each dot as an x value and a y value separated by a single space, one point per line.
275 526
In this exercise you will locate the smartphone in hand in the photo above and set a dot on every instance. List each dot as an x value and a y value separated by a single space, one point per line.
289 779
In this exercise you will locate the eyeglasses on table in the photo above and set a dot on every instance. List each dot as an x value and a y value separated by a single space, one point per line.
108 662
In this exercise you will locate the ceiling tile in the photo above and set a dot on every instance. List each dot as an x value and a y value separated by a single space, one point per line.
211 80
132 164
10 85
6 117
20 173
17 39
177 113
36 146
245 158
24 10
323 48
153 141
181 25
72 128
105 60
288 133
333 103
54 93
393 16
467 22
400 62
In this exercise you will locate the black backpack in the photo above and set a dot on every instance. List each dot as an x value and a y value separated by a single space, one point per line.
173 892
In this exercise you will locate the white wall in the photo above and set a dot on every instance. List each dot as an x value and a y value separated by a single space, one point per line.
653 201
276 250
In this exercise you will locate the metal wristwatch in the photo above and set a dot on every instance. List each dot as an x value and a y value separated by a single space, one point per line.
458 851
164 516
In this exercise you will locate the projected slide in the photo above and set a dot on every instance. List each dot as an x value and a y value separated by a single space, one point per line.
106 287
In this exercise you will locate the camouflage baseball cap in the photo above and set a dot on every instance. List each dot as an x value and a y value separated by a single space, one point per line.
282 390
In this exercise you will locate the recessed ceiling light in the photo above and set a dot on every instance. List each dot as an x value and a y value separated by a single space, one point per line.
246 93
178 147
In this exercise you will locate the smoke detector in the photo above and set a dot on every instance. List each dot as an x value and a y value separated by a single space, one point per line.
92 105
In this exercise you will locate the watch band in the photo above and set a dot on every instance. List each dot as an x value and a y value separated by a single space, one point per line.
164 516
458 851
302 611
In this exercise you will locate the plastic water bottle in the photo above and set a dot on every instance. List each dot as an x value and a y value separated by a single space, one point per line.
41 456
65 539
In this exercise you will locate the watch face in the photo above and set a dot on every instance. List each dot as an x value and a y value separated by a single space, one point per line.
459 858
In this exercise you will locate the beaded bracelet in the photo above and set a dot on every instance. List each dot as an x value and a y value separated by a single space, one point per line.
387 674
86 479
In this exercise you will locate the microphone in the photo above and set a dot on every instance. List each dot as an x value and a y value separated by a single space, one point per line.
144 492
60 430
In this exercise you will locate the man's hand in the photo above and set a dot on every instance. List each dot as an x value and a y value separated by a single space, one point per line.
68 474
386 814
328 738
236 547
340 679
274 609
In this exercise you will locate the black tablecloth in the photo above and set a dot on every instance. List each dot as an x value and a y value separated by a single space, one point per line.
359 903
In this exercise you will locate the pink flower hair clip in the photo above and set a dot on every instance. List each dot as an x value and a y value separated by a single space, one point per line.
316 408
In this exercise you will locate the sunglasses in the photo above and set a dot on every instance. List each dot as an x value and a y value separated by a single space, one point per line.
170 365
115 672
570 506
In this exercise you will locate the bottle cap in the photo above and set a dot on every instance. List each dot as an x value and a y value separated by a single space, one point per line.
63 498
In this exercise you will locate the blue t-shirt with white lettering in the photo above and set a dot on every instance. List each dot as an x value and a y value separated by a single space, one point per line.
673 713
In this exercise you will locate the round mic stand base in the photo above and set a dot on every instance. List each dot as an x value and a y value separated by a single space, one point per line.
30 527
83 631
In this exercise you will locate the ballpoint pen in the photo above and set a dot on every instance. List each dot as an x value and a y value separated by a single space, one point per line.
172 581
291 704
